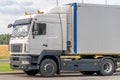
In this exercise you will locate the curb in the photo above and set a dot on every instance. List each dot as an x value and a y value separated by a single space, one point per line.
8 73
4 60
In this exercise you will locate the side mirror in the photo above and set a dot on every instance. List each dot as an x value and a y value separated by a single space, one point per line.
10 25
35 32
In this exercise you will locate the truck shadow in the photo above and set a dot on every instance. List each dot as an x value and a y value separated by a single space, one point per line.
75 75
20 74
70 75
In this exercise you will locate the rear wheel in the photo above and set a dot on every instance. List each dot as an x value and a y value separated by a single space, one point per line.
87 72
31 72
107 67
48 68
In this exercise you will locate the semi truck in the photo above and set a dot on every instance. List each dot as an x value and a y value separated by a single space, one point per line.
72 37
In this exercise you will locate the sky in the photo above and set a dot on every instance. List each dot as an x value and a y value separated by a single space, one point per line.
10 10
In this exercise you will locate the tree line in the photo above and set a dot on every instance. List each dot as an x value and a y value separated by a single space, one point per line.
4 39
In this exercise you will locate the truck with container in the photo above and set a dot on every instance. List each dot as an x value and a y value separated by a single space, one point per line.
73 37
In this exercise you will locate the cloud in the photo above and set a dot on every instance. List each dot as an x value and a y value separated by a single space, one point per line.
15 10
15 2
9 11
7 3
114 2
12 7
25 3
4 21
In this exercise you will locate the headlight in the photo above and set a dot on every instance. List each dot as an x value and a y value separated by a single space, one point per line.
25 62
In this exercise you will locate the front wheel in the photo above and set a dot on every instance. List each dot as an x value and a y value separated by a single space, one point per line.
107 68
48 68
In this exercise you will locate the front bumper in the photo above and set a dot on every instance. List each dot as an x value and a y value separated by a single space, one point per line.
20 62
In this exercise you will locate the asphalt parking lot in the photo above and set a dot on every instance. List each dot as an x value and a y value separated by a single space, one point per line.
63 76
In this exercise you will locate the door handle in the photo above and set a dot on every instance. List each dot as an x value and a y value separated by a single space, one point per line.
45 45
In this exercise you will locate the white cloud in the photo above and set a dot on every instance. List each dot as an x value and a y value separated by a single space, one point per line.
7 2
114 2
25 3
4 21
11 9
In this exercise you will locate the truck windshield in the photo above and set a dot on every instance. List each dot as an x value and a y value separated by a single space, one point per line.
21 27
21 30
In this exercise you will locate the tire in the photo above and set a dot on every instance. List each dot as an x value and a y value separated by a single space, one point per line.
107 68
48 68
87 72
31 72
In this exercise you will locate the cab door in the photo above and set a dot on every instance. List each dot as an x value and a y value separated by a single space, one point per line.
38 39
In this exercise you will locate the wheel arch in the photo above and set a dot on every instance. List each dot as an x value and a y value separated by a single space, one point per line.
49 54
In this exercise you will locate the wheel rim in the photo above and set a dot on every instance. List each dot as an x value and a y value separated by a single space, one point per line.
107 67
48 68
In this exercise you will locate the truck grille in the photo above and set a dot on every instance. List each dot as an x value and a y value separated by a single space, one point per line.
16 47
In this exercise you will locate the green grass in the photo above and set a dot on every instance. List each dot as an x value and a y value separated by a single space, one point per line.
4 57
5 67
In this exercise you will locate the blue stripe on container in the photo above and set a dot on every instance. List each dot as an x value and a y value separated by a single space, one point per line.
75 27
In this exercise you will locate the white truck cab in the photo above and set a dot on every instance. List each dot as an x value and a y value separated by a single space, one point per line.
34 34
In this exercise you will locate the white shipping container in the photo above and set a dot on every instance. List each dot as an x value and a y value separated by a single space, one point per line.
98 29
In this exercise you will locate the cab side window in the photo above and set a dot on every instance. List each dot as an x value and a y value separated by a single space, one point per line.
41 28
